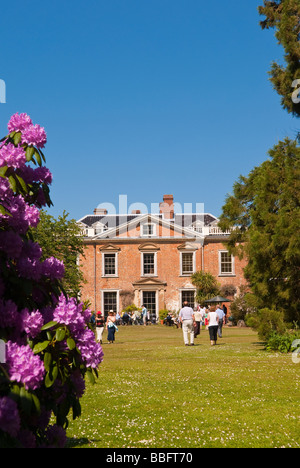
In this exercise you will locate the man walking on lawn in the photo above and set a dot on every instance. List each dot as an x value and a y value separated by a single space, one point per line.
187 318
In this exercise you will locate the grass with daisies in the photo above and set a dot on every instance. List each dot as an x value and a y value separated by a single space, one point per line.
154 392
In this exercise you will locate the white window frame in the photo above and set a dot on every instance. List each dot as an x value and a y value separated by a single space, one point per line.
99 228
156 298
116 274
181 291
110 291
232 272
181 263
147 275
143 234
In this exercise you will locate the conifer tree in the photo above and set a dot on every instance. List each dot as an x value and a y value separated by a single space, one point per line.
264 209
284 16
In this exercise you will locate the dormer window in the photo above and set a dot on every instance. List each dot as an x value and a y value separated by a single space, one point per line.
99 227
197 226
148 230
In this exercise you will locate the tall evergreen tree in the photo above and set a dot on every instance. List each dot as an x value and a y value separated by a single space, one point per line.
264 212
284 16
264 209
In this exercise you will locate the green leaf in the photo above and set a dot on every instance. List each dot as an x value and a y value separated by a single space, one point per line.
4 212
47 361
29 153
22 183
90 376
13 183
38 157
40 347
71 343
36 403
60 334
51 377
49 325
3 171
17 138
42 154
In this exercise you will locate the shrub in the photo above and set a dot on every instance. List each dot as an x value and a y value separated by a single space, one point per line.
282 343
49 345
163 314
266 322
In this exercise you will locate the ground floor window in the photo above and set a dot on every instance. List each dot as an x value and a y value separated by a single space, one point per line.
149 300
188 296
110 302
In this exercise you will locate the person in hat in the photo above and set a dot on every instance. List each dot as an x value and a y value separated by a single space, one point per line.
99 326
111 327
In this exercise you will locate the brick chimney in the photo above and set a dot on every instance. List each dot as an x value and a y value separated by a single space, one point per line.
167 207
100 211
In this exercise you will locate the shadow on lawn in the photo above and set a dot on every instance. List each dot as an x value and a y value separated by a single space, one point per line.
78 442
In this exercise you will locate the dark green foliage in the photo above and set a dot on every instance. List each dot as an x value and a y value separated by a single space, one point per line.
284 17
264 211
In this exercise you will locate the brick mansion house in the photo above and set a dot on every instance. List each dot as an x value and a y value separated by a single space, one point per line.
149 258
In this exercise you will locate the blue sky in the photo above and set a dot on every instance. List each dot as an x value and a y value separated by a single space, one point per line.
143 97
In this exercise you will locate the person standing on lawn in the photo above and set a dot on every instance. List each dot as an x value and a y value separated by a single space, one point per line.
198 319
99 326
144 314
221 316
213 323
187 318
111 327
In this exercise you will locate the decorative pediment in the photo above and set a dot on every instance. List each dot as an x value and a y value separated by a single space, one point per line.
149 246
109 248
187 247
149 282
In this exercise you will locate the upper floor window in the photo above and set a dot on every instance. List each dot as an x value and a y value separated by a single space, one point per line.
149 264
110 264
148 230
226 263
99 227
187 263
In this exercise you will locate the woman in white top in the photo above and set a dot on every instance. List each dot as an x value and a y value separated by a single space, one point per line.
213 322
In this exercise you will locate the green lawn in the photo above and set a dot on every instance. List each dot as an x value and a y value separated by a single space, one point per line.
153 391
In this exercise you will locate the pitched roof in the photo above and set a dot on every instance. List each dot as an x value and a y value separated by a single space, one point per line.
115 220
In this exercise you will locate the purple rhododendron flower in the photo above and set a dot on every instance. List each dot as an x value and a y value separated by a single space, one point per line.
18 122
34 135
56 436
11 243
32 322
9 315
53 268
91 352
66 312
24 366
9 416
27 438
12 156
78 383
28 300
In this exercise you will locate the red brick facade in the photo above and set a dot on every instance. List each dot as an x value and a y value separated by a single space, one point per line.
150 259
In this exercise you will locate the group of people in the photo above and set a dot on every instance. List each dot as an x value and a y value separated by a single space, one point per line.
109 324
191 323
112 322
136 317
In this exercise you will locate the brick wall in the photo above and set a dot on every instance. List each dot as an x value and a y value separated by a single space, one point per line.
168 283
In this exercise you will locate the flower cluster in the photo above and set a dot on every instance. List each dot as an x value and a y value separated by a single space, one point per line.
49 345
23 366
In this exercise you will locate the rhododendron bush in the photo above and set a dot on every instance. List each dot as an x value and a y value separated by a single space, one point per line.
49 346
